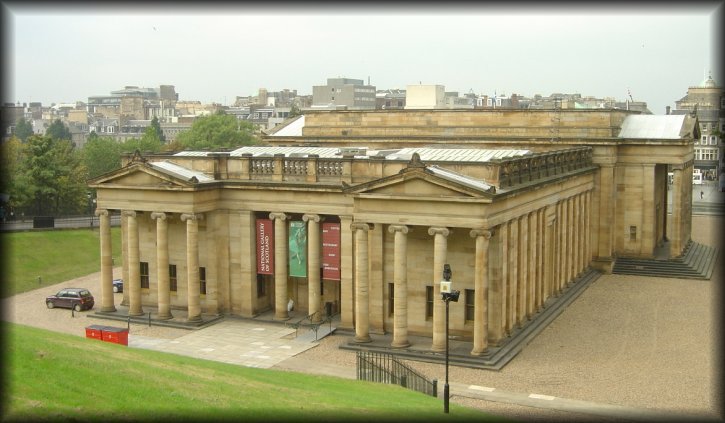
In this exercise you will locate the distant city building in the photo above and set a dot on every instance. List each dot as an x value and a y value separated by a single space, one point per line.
707 102
348 93
425 97
390 99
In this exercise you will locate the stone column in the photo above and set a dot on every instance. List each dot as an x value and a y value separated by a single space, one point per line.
362 283
513 273
675 233
588 230
162 265
533 264
582 232
480 320
280 266
503 234
192 266
106 261
495 287
400 279
523 262
134 265
313 260
440 255
560 246
566 241
606 211
347 306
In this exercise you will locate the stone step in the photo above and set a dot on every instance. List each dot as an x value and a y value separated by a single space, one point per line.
697 262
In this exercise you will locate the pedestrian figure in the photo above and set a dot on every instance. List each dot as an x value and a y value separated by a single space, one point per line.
701 194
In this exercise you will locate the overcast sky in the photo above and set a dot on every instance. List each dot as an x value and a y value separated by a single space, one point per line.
66 53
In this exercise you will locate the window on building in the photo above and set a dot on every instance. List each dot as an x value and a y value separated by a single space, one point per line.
391 299
713 140
470 304
144 270
202 280
172 278
428 302
704 137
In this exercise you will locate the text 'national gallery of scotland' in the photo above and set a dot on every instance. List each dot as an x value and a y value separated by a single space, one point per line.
355 213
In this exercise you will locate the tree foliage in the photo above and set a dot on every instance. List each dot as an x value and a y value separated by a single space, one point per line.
148 142
101 155
23 129
58 131
216 131
294 110
50 178
157 127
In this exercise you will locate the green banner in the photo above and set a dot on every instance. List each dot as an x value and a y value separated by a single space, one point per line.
297 249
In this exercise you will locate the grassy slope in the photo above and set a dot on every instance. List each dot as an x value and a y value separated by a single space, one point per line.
55 256
58 376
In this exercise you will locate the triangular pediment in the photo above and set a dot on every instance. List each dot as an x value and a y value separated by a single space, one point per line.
421 183
139 175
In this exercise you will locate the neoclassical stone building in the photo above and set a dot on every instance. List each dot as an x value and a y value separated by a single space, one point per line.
518 211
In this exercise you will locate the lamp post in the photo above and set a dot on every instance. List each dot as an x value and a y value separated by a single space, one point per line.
447 295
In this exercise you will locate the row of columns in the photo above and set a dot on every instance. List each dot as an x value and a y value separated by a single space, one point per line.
132 258
400 300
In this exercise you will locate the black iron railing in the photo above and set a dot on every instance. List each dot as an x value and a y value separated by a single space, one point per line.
385 368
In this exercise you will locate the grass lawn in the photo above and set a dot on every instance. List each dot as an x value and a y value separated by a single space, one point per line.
52 376
54 256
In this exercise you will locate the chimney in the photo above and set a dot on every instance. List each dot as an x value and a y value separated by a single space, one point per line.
667 110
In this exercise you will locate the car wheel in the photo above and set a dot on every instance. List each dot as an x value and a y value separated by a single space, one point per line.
78 307
115 289
50 304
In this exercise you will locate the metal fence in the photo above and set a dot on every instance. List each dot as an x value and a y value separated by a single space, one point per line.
385 368
59 222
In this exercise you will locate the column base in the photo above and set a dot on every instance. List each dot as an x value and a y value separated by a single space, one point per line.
108 309
438 348
164 316
284 317
363 339
403 344
194 319
136 313
479 353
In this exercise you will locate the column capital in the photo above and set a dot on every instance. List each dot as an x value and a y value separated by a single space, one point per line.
486 233
158 215
398 228
313 217
361 226
280 216
101 212
128 213
191 216
439 230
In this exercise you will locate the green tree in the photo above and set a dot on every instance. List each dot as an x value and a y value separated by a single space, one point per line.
23 129
101 155
217 130
58 131
157 127
294 110
51 179
148 142
11 155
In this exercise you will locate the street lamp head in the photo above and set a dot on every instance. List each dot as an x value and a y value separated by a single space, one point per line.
451 296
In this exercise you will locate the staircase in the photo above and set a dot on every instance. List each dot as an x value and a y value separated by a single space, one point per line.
697 262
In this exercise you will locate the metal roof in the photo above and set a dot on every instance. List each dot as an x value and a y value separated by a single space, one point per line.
652 126
180 171
456 154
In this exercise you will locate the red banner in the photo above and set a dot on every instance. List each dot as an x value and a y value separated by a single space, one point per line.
265 247
331 251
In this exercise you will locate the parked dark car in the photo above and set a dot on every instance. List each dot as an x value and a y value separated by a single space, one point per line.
118 285
75 298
